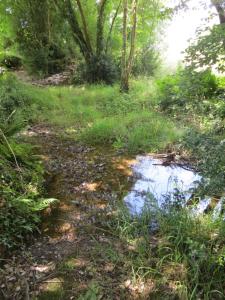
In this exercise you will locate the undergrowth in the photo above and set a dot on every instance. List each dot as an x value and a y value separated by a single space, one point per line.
185 258
94 114
21 180
196 100
102 115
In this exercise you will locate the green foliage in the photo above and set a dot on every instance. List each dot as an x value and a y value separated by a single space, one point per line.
21 177
208 150
146 62
208 49
92 292
49 34
201 96
101 69
187 252
37 35
21 187
197 244
143 131
10 61
12 97
185 88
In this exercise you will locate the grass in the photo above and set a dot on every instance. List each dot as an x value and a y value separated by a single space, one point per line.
185 258
141 131
97 115
102 115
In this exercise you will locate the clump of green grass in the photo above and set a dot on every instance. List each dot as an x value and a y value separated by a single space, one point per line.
198 244
143 131
187 252
102 115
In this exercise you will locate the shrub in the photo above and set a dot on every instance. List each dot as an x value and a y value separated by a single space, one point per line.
185 88
146 62
10 61
12 96
20 195
100 70
21 175
208 150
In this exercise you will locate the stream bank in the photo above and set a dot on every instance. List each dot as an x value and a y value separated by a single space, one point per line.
85 251
87 181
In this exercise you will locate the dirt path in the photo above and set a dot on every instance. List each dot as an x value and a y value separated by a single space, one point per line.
75 255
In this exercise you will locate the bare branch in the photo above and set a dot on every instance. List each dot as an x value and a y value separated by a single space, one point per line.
111 27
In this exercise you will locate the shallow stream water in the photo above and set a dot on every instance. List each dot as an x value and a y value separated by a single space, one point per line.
157 183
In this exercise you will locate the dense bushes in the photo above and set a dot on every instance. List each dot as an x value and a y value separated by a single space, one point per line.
208 151
185 89
21 174
10 61
102 69
20 194
198 97
12 97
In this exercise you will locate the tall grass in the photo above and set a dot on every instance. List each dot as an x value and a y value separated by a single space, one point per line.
186 258
102 115
136 131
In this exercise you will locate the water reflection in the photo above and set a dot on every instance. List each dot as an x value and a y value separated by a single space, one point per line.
157 182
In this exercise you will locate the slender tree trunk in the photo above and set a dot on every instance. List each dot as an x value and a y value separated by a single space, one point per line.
100 28
68 12
85 28
218 4
111 27
124 86
133 36
126 65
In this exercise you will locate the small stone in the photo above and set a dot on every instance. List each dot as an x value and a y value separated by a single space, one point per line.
18 288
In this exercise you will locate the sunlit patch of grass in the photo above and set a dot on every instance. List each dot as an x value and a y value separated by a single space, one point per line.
53 289
103 115
185 258
73 263
143 131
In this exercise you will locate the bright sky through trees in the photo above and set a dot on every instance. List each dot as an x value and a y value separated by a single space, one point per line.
182 28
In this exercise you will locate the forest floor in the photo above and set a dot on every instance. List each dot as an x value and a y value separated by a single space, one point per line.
76 254
89 247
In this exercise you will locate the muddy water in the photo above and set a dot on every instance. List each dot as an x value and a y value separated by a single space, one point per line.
158 182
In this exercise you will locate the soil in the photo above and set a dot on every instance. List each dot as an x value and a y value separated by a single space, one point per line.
75 251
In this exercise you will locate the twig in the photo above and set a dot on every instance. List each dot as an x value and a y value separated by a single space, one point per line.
7 120
11 150
27 290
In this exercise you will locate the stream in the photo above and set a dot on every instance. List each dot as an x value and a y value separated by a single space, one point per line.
75 245
159 183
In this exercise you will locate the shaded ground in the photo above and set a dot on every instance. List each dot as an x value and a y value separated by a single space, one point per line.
75 254
54 80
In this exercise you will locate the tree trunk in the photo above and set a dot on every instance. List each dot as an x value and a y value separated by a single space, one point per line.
88 41
126 65
111 27
69 13
218 4
133 36
124 87
100 28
